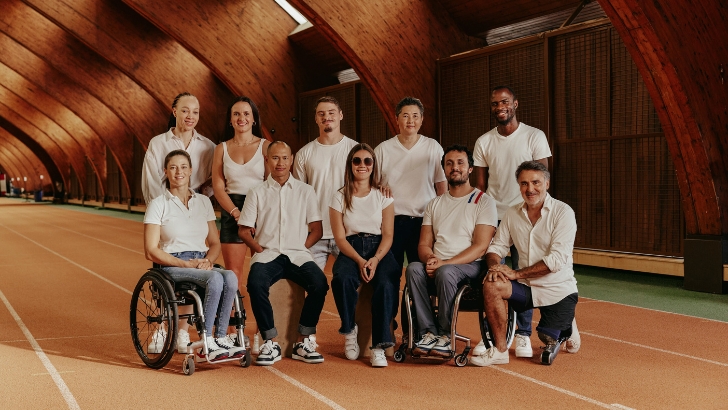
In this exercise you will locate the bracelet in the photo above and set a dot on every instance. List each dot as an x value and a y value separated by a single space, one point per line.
378 260
233 210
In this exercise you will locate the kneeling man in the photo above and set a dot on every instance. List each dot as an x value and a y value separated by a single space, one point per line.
543 230
456 229
287 221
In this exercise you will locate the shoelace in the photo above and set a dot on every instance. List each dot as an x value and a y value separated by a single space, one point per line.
521 342
267 348
379 354
309 345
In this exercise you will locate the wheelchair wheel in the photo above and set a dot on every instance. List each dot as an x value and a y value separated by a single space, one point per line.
188 366
510 329
399 355
151 310
461 360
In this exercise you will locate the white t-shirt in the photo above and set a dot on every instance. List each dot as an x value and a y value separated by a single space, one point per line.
411 173
323 167
550 239
365 214
201 151
502 155
453 220
182 229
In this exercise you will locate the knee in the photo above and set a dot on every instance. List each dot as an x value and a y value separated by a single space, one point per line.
493 290
415 271
231 280
256 282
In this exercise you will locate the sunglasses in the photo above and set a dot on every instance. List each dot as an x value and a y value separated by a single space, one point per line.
368 161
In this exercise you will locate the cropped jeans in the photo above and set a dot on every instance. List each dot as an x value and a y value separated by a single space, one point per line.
220 285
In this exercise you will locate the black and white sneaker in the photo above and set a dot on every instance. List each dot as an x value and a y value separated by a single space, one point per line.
306 351
270 352
425 344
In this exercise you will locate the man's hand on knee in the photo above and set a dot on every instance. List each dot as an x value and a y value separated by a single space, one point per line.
500 273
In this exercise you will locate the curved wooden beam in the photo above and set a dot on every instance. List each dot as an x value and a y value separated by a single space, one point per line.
160 65
57 167
679 49
245 44
18 64
393 45
25 160
140 111
78 143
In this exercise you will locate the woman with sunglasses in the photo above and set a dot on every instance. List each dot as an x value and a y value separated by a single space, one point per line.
362 221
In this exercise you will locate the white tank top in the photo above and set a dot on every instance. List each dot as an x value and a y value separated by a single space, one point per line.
240 178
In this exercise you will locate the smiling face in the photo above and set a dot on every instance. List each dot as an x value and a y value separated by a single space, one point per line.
241 117
362 164
187 112
503 106
279 160
409 120
328 117
178 171
533 187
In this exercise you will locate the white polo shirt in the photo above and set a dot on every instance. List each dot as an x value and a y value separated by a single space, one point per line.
182 229
502 155
453 220
280 215
201 151
411 173
365 215
550 239
322 167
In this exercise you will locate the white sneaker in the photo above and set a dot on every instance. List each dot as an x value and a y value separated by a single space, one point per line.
489 357
378 359
157 343
479 349
270 352
351 344
214 352
574 342
256 344
523 346
183 340
228 343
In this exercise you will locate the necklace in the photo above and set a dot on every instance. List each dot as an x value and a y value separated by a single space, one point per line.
244 143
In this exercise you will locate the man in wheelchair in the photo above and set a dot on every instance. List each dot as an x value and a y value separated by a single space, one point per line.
456 230
543 230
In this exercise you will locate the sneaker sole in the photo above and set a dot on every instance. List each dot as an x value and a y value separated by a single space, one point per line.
268 363
307 360
379 364
441 353
476 363
524 353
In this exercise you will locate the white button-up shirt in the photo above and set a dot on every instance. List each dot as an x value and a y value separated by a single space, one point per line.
182 228
550 239
280 215
201 152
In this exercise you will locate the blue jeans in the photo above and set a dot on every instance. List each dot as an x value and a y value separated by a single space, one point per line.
220 285
308 276
447 278
347 279
321 251
406 238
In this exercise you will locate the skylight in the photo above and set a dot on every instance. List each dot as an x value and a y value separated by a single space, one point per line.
292 12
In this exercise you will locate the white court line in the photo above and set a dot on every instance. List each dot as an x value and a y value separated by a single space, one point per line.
48 374
552 387
67 337
329 313
621 407
97 239
68 260
67 395
305 388
656 349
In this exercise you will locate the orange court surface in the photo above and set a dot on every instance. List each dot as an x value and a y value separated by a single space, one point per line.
66 283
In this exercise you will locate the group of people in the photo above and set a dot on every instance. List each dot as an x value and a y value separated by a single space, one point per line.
369 209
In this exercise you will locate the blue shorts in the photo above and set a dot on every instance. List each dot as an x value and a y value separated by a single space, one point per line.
555 318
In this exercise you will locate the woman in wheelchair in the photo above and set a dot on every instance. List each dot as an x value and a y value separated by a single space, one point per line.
362 220
176 226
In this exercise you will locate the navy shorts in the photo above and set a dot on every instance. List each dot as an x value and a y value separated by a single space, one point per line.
228 224
555 318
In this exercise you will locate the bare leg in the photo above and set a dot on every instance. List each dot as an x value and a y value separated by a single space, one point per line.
495 295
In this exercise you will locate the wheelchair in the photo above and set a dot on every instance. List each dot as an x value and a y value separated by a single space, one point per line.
154 305
468 298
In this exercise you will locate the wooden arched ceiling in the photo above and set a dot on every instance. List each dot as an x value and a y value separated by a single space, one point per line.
679 48
160 65
21 161
393 46
245 44
54 120
145 116
42 76
55 162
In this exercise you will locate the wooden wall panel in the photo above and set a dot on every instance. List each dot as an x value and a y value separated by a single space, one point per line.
40 143
145 116
244 42
11 136
679 48
150 57
20 161
392 59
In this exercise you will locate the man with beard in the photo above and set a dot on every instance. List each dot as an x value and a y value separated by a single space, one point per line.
321 163
457 228
497 154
